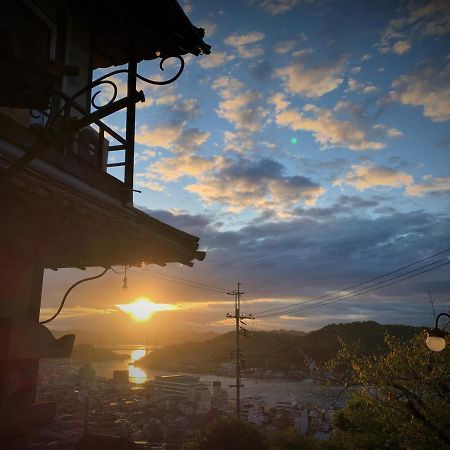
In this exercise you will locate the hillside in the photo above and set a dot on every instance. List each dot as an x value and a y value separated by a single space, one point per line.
135 337
275 350
89 353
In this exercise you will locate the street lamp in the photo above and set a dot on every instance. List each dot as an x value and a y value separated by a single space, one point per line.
436 337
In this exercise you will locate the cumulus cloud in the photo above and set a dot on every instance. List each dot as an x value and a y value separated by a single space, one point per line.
430 185
215 60
174 168
241 108
430 19
401 47
163 135
246 44
259 185
209 27
284 47
311 78
275 7
173 137
388 131
354 85
428 87
328 130
364 177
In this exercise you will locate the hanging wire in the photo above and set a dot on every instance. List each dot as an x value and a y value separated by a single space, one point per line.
61 306
125 280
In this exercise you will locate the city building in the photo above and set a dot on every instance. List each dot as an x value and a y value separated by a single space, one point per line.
183 387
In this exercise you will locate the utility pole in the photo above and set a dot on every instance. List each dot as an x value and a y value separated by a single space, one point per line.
239 319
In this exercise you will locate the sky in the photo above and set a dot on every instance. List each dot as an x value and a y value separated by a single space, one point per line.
310 151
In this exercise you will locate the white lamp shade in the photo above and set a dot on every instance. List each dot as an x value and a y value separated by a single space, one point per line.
435 343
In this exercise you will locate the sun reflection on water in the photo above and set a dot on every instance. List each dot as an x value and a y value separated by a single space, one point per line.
137 354
137 375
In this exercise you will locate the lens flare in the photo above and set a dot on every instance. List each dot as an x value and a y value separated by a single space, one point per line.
142 308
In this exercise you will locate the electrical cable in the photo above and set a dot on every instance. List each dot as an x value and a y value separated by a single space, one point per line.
61 306
360 290
183 283
188 281
354 294
360 284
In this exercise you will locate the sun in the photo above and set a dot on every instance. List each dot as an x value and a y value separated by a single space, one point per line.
142 308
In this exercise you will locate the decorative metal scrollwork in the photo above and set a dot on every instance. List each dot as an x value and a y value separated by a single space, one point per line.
52 111
104 80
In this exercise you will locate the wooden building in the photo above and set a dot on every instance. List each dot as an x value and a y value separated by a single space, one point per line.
59 206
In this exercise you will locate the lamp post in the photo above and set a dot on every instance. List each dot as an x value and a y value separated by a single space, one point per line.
436 337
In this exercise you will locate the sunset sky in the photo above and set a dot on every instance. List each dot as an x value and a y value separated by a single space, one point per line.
309 152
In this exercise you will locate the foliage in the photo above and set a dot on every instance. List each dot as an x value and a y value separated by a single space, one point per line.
228 433
290 439
403 399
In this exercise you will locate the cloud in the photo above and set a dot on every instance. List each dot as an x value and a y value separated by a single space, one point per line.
312 79
284 47
174 168
401 47
144 155
326 128
162 135
215 60
259 185
244 44
282 262
69 312
388 131
364 177
275 7
430 185
428 87
241 108
354 85
209 27
414 22
186 109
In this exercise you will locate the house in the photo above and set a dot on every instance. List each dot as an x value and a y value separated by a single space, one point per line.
59 206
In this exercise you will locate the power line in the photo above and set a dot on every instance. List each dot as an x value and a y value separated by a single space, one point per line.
366 287
359 284
354 294
326 302
364 290
187 280
183 283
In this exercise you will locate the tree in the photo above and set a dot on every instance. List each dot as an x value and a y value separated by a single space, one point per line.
290 439
228 433
402 400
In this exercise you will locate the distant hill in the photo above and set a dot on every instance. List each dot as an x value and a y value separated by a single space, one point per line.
292 332
88 353
276 350
123 337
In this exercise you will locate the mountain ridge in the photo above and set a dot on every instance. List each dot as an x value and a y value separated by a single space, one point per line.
274 350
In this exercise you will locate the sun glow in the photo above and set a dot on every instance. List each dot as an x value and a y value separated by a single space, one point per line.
142 308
